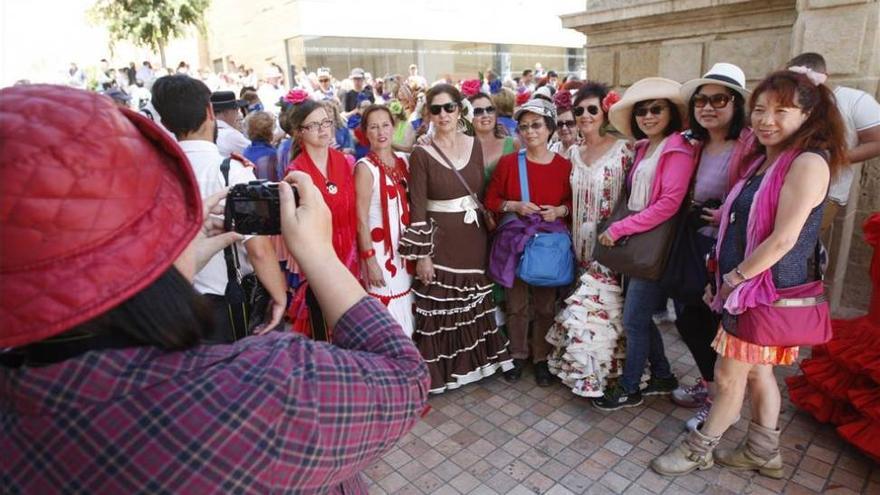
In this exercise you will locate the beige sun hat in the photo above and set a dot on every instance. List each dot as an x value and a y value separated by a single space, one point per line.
649 88
722 74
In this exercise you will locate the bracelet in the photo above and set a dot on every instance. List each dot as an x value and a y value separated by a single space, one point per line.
566 212
504 206
365 255
726 279
740 274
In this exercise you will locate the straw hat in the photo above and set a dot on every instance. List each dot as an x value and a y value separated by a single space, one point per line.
722 74
649 88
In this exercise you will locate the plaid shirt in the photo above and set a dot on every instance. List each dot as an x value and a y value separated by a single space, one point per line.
271 414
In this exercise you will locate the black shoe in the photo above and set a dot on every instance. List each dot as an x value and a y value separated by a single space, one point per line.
615 398
661 386
514 374
542 374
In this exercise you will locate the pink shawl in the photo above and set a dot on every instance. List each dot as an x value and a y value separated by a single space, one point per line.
760 289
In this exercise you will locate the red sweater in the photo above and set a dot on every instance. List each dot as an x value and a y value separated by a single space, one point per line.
548 183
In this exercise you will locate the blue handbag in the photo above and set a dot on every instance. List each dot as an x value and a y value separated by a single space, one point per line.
548 258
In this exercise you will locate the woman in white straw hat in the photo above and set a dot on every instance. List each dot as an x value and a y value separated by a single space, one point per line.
651 111
717 116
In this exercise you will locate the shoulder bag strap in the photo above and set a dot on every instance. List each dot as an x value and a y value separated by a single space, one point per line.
458 175
523 177
230 254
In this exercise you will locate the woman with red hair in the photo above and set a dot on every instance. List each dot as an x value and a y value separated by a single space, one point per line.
768 235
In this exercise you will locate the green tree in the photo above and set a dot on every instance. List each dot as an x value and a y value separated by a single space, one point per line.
151 23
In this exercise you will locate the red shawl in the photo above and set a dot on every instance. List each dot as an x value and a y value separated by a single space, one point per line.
342 204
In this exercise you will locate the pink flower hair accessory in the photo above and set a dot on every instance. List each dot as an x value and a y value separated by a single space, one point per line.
610 99
816 78
296 96
470 87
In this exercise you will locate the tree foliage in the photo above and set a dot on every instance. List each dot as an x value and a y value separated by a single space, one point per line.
151 23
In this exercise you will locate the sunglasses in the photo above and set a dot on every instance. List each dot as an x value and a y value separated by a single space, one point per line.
565 123
717 101
535 126
483 110
447 107
654 109
579 111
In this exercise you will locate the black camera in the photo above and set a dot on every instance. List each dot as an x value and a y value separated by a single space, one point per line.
695 213
253 208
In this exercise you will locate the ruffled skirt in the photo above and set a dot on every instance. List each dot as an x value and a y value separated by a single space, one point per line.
588 339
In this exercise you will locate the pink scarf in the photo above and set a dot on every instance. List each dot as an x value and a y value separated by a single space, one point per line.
760 289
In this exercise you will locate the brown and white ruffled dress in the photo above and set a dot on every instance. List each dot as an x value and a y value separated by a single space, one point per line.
455 326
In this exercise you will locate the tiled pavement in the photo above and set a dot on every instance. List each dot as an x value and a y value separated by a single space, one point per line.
492 437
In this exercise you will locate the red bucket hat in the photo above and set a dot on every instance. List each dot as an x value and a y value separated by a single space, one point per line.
96 202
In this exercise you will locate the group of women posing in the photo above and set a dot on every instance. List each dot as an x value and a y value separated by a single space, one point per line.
708 147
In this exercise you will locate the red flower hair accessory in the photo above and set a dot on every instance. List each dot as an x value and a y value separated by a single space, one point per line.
562 100
470 87
522 98
296 96
610 99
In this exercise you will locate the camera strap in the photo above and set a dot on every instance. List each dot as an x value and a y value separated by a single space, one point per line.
235 296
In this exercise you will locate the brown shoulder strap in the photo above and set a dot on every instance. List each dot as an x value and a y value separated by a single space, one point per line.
457 174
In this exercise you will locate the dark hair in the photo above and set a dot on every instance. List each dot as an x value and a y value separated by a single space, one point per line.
168 314
811 60
737 123
593 89
499 131
182 102
527 72
552 73
549 123
375 107
295 119
440 89
245 89
674 125
823 130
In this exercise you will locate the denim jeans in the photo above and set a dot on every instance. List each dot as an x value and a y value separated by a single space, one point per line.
643 340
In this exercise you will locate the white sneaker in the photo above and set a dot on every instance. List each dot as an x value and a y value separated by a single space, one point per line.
699 419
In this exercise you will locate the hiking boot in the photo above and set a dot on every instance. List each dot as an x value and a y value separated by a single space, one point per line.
543 378
514 374
694 396
661 386
615 398
694 452
759 452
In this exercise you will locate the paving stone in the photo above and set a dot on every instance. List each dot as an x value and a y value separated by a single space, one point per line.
539 483
518 470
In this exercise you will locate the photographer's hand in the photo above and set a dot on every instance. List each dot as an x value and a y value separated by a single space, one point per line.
210 240
307 230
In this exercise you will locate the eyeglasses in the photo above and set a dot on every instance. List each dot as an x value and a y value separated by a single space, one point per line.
579 111
565 123
447 107
654 109
719 100
314 126
481 110
535 126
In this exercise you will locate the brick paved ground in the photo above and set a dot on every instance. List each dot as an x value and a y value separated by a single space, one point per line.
492 437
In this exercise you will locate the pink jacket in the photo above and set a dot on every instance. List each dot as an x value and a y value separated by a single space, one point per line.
671 182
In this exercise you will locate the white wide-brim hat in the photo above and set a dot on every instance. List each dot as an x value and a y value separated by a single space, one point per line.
649 88
722 74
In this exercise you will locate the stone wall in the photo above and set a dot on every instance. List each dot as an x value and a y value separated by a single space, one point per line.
681 39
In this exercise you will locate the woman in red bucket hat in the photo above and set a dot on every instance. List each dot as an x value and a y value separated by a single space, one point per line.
104 384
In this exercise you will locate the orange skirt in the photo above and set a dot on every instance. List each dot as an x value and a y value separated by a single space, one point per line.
727 345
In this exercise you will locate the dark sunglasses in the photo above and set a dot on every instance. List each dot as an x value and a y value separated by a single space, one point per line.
654 109
481 110
565 123
717 101
579 111
535 126
447 107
